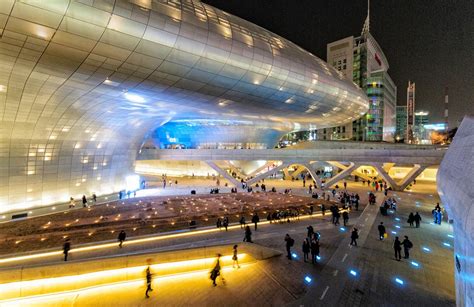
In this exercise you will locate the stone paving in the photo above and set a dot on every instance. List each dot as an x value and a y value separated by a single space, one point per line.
279 281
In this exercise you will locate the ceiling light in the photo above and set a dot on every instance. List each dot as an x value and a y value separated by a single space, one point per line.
134 97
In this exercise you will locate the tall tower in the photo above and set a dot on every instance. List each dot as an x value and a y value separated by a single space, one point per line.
446 99
410 111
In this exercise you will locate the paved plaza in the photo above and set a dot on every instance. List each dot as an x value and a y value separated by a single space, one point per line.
367 275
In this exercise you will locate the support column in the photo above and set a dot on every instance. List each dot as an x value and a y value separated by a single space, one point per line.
386 176
313 174
286 173
341 166
223 173
298 171
341 175
261 168
411 176
266 174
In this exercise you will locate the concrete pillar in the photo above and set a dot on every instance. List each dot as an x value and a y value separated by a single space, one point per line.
341 175
382 173
286 173
313 174
261 168
411 176
223 173
298 171
455 181
266 174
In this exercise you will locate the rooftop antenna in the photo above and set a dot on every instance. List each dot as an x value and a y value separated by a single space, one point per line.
366 27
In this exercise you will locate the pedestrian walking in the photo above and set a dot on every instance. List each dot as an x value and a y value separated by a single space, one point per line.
255 219
382 231
314 251
235 258
354 236
216 271
66 248
323 209
248 234
226 223
121 237
306 249
242 222
148 277
84 201
289 243
411 219
407 244
417 219
397 247
310 231
219 223
345 217
337 215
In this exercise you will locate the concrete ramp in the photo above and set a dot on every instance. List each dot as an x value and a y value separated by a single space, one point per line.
57 279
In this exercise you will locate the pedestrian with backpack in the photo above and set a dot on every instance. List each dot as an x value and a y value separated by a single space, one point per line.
289 243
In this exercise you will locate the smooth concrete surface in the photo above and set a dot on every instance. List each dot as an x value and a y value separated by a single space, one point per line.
432 156
456 189
74 275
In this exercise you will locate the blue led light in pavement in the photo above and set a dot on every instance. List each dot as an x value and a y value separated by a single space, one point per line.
426 249
450 235
396 226
294 255
399 281
446 244
342 229
397 219
318 258
415 264
353 273
308 279
394 232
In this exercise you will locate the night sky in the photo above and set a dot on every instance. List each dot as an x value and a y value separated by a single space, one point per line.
430 42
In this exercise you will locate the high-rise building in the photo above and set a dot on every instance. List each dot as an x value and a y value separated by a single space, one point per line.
401 120
410 112
362 60
420 133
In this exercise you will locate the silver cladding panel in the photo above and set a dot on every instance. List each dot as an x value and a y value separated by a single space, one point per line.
83 82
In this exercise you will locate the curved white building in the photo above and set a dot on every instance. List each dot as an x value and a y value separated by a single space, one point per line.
82 87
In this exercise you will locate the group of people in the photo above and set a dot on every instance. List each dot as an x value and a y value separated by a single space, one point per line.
414 218
311 245
397 244
85 202
437 214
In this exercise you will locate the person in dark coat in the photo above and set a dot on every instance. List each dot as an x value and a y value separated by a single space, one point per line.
148 277
248 234
242 222
121 237
289 242
411 219
306 249
255 220
314 251
345 217
225 223
216 271
354 236
417 219
397 247
406 247
66 249
381 229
